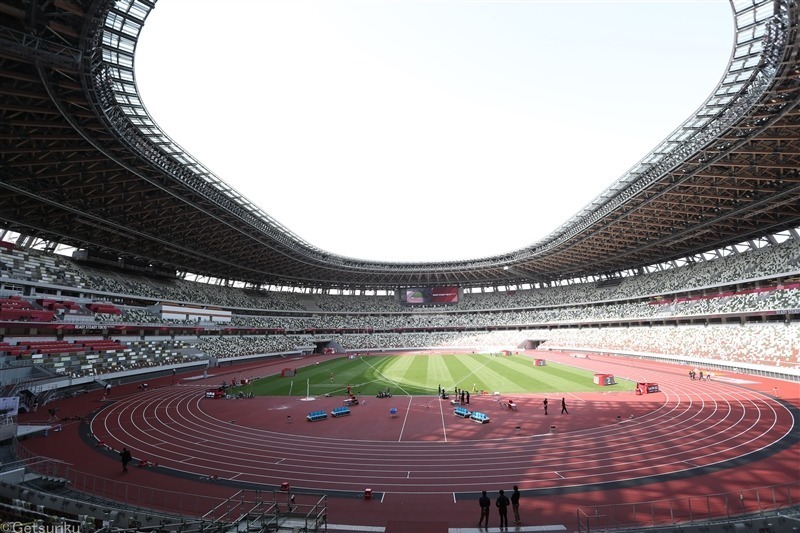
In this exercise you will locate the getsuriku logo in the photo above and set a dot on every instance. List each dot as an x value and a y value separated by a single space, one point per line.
36 527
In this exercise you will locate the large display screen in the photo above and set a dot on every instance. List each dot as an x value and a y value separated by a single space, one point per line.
430 295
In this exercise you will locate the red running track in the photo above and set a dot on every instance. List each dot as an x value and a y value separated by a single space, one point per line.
695 426
689 432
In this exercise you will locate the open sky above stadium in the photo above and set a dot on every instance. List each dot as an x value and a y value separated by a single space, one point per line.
426 130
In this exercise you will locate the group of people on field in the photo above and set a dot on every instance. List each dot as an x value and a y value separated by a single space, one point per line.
502 502
698 374
563 406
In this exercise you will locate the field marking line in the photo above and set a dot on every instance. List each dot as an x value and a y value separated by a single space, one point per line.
444 428
474 372
387 378
405 418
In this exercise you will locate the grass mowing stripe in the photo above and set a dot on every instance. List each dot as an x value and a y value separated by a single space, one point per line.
462 370
438 372
477 363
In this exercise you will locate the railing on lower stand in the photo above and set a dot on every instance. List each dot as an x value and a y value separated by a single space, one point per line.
688 510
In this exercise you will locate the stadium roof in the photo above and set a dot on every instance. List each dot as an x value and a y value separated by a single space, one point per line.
84 165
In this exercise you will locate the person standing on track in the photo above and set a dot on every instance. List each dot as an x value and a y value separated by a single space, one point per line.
564 406
515 504
545 405
502 507
125 456
484 503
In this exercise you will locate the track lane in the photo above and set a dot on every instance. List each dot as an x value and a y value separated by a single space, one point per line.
695 427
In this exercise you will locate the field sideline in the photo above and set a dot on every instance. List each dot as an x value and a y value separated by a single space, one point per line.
423 374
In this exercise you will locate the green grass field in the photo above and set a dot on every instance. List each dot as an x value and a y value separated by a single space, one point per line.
422 375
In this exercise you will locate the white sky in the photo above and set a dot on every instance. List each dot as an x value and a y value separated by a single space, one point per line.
426 130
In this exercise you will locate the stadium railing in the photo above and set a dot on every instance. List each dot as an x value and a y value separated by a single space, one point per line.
689 510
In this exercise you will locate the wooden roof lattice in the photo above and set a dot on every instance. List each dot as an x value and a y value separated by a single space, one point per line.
82 163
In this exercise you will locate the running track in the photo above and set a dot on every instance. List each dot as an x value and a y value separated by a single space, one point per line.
691 439
690 427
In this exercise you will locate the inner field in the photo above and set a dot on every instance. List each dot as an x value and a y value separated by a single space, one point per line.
423 375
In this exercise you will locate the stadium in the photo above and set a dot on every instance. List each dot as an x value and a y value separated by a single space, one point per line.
143 300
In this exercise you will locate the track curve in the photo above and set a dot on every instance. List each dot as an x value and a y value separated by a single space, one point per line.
690 429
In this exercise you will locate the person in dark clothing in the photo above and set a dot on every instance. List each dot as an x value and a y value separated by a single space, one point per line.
545 405
564 406
502 506
515 504
485 503
125 456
